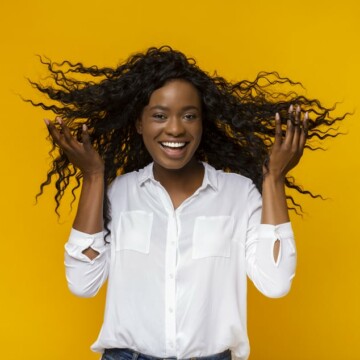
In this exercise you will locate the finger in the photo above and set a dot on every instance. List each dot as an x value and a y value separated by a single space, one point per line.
57 136
65 130
304 131
298 115
86 138
289 135
290 128
291 113
53 131
278 131
297 131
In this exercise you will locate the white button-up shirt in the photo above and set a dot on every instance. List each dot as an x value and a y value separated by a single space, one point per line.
177 278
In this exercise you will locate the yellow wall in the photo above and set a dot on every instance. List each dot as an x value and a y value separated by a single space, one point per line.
316 42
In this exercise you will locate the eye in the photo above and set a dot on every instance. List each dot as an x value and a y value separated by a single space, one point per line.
190 116
159 116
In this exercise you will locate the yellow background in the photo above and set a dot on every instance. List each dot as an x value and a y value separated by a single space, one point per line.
316 42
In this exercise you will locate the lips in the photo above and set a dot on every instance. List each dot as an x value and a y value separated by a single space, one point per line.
174 149
173 144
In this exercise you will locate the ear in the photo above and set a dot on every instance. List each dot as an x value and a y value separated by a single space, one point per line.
138 125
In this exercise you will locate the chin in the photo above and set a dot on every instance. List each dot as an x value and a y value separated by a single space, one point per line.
174 164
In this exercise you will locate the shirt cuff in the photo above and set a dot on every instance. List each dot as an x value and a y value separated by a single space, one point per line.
279 231
79 241
268 234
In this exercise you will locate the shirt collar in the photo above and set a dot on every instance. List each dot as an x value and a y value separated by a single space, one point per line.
210 176
146 174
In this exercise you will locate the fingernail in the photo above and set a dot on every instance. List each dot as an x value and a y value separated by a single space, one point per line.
84 127
277 116
298 109
291 108
306 116
47 122
59 120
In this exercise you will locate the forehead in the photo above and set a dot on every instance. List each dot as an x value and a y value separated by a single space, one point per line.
175 93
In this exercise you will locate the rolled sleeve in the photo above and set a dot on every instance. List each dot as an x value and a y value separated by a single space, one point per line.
268 234
85 276
272 278
79 241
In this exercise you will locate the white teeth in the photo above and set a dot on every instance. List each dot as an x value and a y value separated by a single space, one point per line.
173 144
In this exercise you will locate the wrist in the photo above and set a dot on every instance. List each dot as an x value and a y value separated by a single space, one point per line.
93 175
276 179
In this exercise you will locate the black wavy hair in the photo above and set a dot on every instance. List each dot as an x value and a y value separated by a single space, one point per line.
238 117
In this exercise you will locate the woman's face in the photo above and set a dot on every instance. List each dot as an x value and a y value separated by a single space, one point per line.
171 124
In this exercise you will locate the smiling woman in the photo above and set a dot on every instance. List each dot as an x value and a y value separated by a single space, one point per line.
171 128
172 163
172 123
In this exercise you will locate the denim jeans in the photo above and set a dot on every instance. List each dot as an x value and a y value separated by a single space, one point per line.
128 354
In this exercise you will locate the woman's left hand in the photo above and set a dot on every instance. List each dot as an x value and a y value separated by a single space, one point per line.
286 152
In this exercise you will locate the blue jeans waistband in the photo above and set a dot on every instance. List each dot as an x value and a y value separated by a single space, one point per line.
129 354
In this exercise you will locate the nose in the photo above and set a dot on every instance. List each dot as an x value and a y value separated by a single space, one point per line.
175 126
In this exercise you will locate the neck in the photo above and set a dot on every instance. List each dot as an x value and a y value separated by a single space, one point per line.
188 177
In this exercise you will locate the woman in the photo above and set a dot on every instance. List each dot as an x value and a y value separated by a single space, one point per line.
172 162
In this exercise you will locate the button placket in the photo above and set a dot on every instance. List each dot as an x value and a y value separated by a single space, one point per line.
170 285
170 270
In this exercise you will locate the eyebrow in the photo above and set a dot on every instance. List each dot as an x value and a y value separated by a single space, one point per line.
160 107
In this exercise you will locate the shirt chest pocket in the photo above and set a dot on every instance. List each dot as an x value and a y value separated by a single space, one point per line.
134 231
212 236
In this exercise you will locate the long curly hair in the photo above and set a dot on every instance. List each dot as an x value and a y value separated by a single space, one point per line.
238 117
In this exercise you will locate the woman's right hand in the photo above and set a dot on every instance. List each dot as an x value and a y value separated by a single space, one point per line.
81 154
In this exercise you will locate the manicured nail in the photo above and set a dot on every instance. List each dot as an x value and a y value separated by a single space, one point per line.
291 108
47 122
84 127
305 123
298 109
277 116
59 120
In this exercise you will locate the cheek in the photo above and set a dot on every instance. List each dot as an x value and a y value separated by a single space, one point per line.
150 146
147 135
150 136
199 132
151 128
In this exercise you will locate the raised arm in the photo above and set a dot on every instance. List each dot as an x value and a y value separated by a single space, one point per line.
89 216
284 156
86 255
270 247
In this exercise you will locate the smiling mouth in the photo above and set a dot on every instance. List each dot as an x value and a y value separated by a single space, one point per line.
173 145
